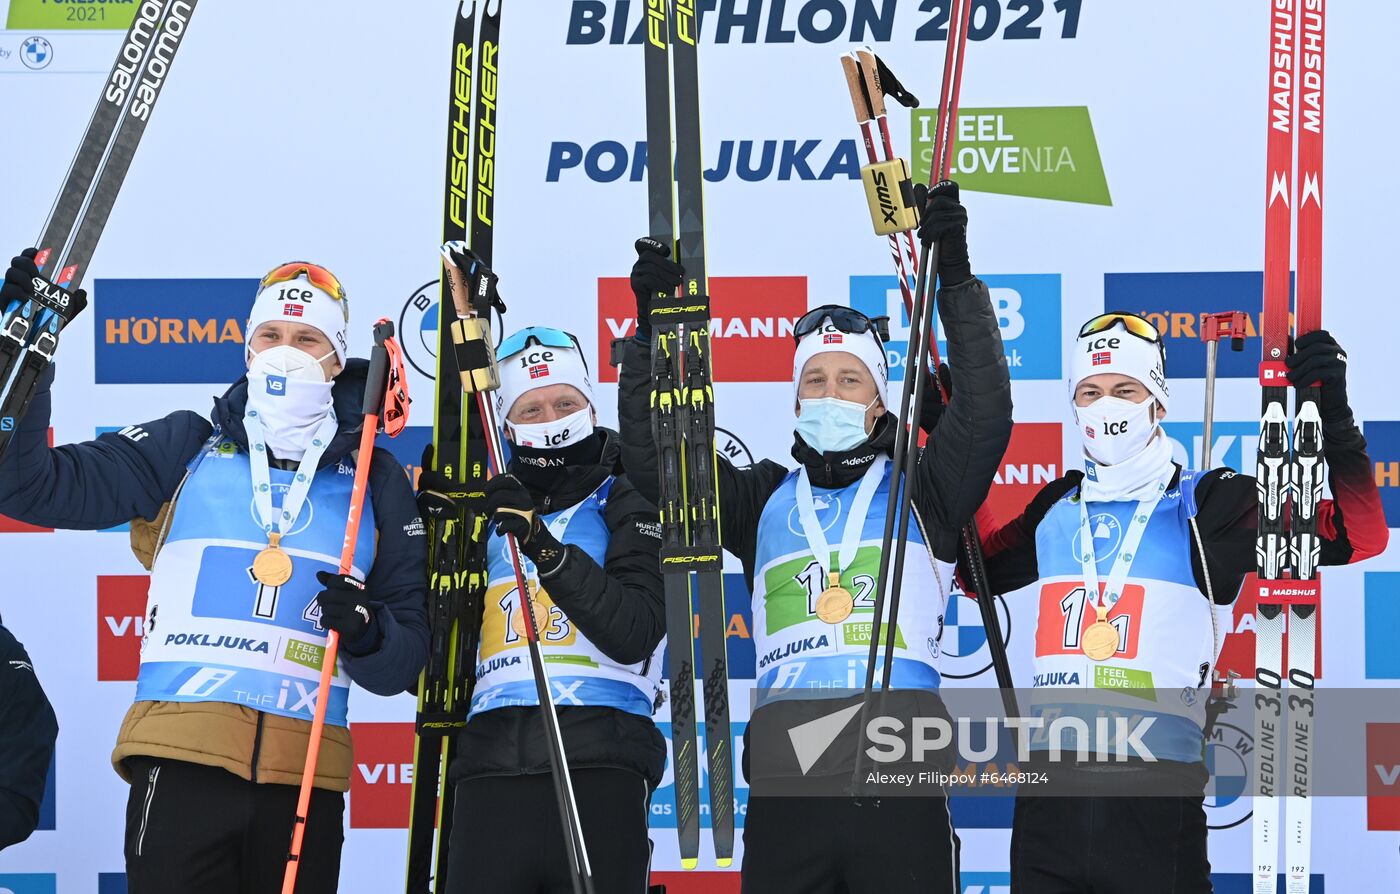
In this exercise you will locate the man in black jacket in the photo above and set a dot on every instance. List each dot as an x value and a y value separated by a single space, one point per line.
589 544
28 729
809 540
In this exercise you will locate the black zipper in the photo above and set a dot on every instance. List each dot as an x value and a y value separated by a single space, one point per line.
257 746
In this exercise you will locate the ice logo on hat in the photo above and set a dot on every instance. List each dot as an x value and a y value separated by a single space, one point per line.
277 386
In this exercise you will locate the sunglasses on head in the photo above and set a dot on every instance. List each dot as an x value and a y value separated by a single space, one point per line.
1131 323
545 336
845 319
317 275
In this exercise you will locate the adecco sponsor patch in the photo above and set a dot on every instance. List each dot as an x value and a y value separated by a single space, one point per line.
747 347
1027 306
121 623
160 331
381 782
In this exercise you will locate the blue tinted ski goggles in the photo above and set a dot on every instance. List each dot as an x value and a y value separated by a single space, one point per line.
545 336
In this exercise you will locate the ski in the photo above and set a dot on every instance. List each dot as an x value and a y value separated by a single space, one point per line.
30 330
456 531
683 425
1289 474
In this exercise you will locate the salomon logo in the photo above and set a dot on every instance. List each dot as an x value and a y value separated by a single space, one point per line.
7 423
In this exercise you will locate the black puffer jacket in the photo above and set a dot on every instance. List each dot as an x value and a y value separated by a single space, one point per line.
955 470
617 605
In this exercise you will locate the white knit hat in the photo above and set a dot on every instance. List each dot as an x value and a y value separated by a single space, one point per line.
866 346
298 301
536 366
1114 350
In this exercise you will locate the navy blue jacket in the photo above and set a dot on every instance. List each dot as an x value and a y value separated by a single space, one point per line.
130 474
28 729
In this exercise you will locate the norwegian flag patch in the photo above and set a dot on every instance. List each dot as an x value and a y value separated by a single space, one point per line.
1102 357
539 370
832 338
1089 432
293 310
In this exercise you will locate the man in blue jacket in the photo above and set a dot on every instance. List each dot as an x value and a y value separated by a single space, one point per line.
241 522
28 730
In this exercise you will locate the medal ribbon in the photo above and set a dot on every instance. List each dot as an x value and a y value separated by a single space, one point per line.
1123 562
855 518
301 481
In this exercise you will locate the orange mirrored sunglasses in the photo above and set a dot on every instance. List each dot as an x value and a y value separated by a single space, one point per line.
319 277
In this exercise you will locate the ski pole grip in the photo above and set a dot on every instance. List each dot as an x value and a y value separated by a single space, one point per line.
378 367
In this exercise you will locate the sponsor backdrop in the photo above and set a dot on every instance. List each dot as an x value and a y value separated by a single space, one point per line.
1110 157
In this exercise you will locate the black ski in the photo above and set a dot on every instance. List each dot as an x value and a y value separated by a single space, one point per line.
683 424
457 558
30 330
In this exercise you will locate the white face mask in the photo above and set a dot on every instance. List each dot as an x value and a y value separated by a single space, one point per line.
561 432
288 388
1113 429
832 425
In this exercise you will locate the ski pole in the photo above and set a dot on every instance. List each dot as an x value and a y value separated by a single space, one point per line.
376 386
476 360
1214 327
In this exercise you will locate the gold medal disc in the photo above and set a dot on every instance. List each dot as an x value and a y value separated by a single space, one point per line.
272 567
1101 639
836 603
517 620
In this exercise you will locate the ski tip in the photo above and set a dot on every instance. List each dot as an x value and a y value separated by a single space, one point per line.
689 863
724 862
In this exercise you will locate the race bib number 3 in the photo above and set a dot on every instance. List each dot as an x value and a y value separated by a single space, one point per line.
502 623
1066 611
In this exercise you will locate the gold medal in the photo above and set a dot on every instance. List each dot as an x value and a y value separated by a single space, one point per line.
517 620
836 603
272 567
1101 639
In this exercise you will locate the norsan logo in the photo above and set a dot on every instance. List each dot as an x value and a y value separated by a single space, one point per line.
165 331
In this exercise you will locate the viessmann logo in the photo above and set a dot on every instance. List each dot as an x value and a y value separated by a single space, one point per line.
168 331
381 782
748 345
121 624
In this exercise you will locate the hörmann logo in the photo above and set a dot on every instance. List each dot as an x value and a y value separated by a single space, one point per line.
159 331
132 52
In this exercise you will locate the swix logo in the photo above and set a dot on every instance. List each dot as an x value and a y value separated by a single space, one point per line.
11 526
1032 460
1102 357
885 198
382 781
163 331
121 624
539 370
1383 443
1383 777
1237 653
1027 306
293 310
746 347
1177 303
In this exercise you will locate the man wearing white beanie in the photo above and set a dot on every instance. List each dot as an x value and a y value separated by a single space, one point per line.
240 517
1137 562
589 547
810 540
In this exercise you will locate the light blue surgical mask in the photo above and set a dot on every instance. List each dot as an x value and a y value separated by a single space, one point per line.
832 425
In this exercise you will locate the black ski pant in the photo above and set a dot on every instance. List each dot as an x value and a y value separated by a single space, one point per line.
205 830
849 846
507 837
1109 845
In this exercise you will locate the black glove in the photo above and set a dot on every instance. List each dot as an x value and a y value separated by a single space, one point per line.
19 279
1317 357
654 274
932 409
945 219
434 489
346 610
513 510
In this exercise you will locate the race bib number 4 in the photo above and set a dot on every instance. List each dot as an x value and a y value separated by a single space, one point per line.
1066 611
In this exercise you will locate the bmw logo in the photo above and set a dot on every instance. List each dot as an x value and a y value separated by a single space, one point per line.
36 53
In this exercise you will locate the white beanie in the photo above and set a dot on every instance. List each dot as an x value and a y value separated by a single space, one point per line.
298 301
866 346
537 366
1115 350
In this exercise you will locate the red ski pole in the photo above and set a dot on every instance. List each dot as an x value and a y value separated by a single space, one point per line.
386 376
